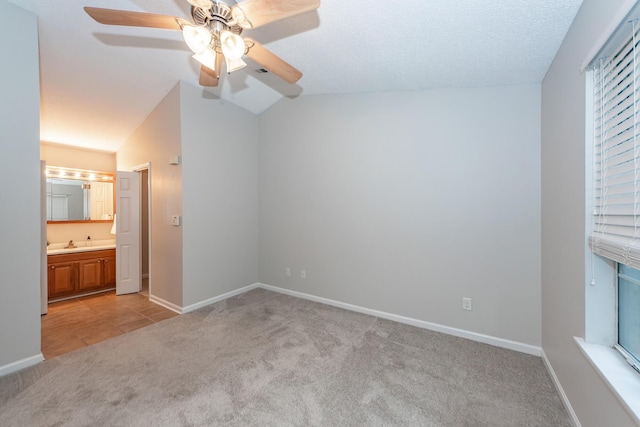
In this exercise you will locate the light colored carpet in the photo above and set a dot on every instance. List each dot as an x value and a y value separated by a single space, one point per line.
266 359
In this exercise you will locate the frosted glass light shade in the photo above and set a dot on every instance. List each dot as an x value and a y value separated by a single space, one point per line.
207 58
232 45
235 64
197 38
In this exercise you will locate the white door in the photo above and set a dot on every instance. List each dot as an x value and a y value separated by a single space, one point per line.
98 196
128 279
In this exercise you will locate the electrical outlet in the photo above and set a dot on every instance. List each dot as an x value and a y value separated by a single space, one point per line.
466 304
287 272
303 274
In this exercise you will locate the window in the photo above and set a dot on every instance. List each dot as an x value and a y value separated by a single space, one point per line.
629 314
616 177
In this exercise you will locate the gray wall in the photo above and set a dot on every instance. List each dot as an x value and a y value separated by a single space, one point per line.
155 140
220 196
563 220
214 189
19 137
407 202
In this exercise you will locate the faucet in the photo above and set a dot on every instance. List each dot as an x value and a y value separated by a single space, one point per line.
71 245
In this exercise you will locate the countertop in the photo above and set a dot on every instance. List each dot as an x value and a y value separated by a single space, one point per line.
98 245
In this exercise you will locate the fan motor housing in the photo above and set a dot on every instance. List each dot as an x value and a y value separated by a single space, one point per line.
218 14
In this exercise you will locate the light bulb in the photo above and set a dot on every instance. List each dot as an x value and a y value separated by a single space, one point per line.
207 58
197 38
232 45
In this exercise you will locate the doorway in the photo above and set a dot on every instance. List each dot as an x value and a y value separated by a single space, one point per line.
144 230
75 323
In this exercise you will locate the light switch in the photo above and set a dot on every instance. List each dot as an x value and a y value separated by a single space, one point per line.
175 220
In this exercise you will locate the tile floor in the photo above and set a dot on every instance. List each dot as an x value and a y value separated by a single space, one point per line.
79 322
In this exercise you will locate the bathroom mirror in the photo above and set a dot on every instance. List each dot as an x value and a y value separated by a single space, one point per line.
76 195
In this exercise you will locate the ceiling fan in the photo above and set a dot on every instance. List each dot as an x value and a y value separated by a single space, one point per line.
214 34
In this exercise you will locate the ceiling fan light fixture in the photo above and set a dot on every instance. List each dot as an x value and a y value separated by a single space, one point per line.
234 64
232 45
197 38
207 58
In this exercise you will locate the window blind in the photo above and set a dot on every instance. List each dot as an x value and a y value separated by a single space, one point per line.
616 150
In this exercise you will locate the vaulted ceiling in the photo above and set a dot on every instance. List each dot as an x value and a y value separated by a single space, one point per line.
98 83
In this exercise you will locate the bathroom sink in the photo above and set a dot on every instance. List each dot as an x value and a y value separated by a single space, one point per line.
59 248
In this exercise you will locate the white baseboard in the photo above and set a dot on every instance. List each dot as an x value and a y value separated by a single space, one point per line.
21 364
563 396
166 304
224 296
474 336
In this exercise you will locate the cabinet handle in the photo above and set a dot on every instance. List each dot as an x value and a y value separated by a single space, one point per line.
53 267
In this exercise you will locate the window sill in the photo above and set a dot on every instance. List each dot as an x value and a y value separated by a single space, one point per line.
621 378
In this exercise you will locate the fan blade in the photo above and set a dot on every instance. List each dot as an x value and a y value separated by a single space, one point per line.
272 62
133 19
208 77
256 13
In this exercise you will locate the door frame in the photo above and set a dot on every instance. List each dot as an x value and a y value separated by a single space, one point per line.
139 168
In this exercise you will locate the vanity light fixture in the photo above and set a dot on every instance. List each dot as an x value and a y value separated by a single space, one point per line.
80 174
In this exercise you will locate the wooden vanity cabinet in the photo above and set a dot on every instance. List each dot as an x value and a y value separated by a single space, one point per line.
109 270
81 273
62 278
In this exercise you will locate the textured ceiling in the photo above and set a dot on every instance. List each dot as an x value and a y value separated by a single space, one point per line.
100 82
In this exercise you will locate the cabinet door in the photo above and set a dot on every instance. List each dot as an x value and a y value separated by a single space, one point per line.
109 272
90 274
63 278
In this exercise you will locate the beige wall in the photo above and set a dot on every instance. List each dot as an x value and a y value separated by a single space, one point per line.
563 220
20 229
77 158
58 233
155 140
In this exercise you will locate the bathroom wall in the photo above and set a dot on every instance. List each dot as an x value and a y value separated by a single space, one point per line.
78 158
